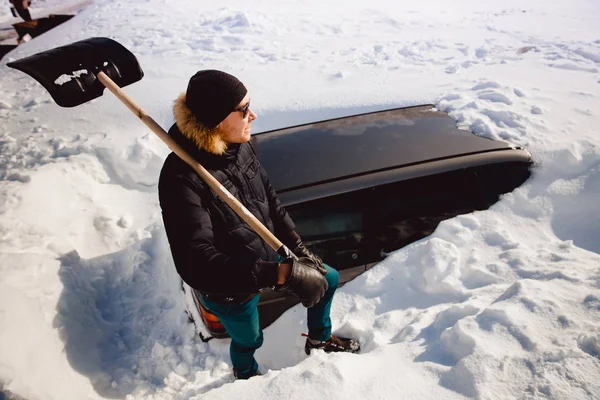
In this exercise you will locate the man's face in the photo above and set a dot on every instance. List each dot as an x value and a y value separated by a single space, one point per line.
236 128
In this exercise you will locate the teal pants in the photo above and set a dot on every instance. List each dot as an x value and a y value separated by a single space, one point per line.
241 322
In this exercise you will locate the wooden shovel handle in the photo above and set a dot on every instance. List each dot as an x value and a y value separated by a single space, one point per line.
223 193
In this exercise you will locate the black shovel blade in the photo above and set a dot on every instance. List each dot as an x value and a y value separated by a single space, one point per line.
69 72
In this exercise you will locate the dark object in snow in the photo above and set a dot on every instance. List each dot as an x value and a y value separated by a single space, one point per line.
36 27
22 8
69 72
237 375
377 182
335 344
4 49
33 28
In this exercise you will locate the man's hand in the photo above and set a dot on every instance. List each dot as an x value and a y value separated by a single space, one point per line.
302 251
302 279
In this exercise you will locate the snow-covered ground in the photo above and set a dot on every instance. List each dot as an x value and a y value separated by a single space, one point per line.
498 304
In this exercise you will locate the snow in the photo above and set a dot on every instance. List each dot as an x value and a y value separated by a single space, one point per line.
497 304
65 78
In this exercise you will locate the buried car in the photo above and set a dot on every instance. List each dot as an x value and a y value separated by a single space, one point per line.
375 183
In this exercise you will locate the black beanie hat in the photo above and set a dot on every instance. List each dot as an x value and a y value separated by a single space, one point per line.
211 95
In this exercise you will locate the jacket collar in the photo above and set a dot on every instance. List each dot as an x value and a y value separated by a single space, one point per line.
209 140
206 159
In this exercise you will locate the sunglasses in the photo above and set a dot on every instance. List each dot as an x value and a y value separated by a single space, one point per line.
244 110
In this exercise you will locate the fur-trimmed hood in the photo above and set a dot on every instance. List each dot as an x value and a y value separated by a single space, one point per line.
209 140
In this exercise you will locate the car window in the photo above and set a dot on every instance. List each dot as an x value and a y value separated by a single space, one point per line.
323 222
332 227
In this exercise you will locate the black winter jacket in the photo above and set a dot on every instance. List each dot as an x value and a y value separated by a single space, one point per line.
214 250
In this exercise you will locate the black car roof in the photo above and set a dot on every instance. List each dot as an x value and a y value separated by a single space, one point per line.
339 149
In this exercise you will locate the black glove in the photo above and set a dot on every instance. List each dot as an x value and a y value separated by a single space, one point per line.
304 282
302 251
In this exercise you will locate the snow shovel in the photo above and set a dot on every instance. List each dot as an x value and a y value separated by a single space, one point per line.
77 73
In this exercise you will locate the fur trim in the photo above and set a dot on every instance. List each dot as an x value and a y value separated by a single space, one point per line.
206 139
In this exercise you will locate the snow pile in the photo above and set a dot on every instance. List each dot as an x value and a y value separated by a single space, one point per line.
503 303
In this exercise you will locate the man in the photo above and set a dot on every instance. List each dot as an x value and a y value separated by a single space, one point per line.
214 250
